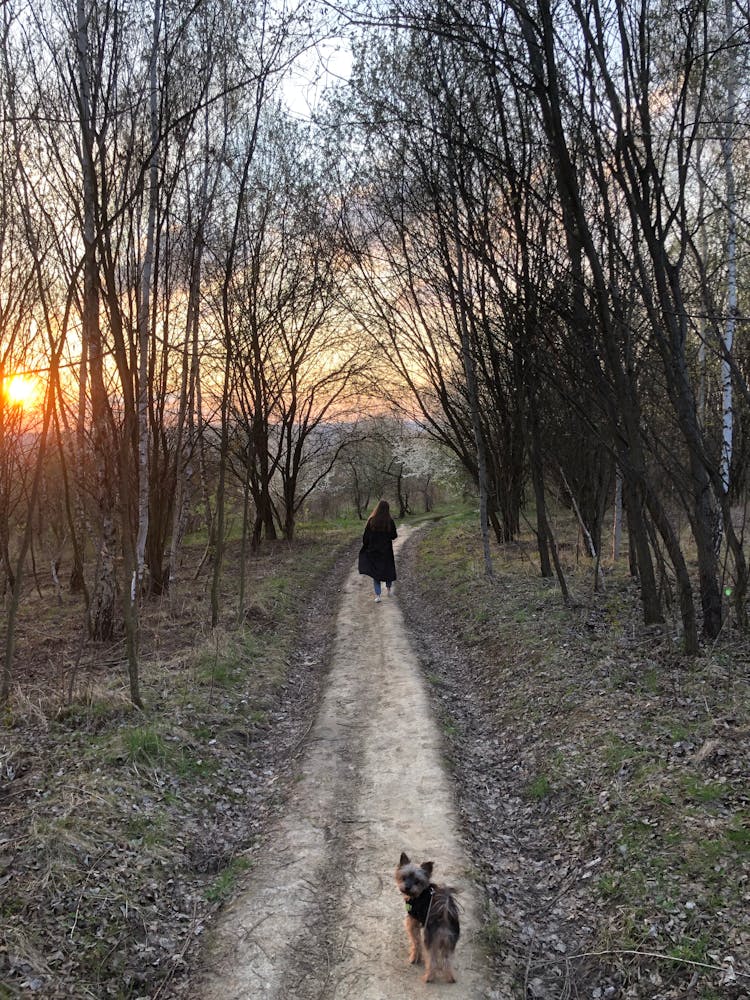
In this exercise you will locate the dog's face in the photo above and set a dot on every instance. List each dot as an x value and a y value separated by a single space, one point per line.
413 879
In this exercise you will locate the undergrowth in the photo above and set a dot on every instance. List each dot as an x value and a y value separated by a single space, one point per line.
629 762
123 830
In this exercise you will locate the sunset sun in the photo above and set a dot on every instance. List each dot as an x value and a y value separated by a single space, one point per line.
21 390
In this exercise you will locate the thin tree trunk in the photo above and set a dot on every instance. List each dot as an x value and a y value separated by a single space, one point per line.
590 547
684 588
144 314
702 393
537 480
227 377
221 488
592 550
73 511
7 564
208 514
472 391
556 559
77 575
640 552
183 470
727 146
244 546
617 517
190 377
102 608
403 500
15 596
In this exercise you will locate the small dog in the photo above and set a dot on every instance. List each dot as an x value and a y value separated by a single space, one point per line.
434 908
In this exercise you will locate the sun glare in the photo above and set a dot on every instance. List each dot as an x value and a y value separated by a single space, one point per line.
21 390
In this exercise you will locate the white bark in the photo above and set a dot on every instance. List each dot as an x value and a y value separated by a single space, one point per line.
705 330
727 144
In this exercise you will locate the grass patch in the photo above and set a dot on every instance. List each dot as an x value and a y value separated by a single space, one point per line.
493 935
220 666
539 788
225 882
739 838
94 712
618 752
692 949
151 831
144 745
609 887
189 764
697 790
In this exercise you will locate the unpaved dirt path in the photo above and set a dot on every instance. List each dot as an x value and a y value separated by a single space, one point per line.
321 918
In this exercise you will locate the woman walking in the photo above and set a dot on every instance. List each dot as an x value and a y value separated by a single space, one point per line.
376 555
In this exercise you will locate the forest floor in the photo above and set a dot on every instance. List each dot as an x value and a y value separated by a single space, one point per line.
124 832
602 825
602 777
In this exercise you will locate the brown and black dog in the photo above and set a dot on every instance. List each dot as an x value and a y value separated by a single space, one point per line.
431 919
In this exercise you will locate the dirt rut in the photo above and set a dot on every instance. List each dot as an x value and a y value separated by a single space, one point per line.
320 917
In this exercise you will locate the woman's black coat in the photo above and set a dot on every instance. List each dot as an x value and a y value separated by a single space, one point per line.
376 555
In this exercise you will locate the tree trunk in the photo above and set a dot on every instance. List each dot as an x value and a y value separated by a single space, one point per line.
243 547
682 576
537 479
144 316
617 517
102 609
403 502
638 540
78 521
74 516
727 148
221 490
190 387
472 391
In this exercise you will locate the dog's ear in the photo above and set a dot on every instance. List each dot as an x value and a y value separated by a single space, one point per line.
403 860
427 867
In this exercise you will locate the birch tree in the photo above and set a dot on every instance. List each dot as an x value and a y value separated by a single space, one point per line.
727 148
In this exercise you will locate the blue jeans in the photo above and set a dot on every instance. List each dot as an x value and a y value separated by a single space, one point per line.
377 588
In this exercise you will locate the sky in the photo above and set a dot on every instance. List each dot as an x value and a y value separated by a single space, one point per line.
329 62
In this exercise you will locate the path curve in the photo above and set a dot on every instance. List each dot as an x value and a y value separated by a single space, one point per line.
321 918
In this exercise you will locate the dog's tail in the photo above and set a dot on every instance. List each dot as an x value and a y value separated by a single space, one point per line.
444 911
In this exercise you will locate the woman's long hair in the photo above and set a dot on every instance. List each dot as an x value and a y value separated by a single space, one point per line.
380 519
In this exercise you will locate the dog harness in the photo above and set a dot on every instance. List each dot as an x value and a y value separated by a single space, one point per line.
419 906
